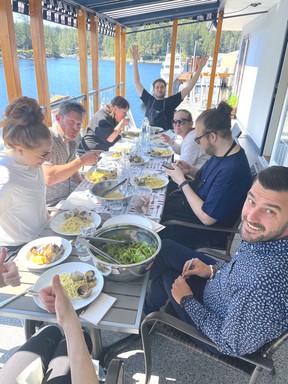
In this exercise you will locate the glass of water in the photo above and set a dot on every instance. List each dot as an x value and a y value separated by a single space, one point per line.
81 249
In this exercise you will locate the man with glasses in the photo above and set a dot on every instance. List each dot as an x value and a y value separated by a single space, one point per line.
240 305
188 150
158 108
218 189
61 169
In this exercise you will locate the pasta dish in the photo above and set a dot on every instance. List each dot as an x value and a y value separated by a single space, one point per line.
74 224
150 181
97 176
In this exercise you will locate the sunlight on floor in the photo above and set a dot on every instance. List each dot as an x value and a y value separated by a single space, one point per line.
126 355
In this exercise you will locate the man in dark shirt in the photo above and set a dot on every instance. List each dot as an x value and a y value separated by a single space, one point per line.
160 109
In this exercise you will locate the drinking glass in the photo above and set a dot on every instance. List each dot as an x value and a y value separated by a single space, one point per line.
81 249
116 207
142 198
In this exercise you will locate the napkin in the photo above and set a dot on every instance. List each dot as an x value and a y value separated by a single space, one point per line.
32 374
96 310
156 227
81 199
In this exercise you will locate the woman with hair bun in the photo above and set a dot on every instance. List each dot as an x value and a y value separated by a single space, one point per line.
105 126
23 213
217 191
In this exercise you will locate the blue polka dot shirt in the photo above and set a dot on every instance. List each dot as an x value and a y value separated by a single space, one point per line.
246 304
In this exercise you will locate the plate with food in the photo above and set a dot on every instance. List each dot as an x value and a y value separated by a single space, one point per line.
111 155
70 223
82 282
100 175
44 252
155 130
138 159
160 152
130 135
128 219
153 181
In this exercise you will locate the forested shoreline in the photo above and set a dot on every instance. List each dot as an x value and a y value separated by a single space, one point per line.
153 43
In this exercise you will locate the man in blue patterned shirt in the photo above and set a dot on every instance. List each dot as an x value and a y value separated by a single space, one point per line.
242 304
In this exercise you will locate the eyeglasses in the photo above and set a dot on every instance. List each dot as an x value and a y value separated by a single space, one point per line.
180 121
197 139
42 157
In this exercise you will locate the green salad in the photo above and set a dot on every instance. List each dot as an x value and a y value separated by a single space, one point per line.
129 254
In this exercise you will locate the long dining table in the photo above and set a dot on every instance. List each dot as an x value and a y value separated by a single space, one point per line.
124 315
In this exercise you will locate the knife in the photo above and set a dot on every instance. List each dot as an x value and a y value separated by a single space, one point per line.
7 301
113 188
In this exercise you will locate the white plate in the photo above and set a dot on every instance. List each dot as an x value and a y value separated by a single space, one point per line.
159 143
23 254
145 158
160 149
109 155
59 219
164 178
46 279
110 175
155 130
128 219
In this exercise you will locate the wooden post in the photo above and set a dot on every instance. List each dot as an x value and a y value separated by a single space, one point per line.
123 62
83 60
94 59
215 57
9 51
39 54
117 58
172 57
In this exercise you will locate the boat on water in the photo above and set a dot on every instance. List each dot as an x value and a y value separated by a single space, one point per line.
165 70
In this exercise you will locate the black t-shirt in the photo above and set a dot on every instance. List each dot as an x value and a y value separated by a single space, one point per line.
160 112
100 127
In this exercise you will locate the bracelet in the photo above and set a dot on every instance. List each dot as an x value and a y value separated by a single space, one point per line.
213 269
180 186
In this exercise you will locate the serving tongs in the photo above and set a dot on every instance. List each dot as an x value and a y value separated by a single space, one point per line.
113 188
97 250
104 240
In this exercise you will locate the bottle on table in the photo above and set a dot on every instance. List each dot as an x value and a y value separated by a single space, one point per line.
145 134
123 168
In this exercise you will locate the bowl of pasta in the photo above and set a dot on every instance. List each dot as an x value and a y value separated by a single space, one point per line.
124 193
134 256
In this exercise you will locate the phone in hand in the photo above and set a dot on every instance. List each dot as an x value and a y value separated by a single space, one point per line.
167 165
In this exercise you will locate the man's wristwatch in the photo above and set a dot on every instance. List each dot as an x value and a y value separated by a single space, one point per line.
184 300
180 186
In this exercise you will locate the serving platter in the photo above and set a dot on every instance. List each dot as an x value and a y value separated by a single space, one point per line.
58 220
24 255
46 279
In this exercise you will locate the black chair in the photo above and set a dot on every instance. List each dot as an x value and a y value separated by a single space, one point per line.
175 329
115 373
220 251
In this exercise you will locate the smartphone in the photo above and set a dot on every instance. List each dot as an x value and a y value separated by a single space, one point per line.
167 165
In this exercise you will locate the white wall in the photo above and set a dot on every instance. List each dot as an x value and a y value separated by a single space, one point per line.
266 38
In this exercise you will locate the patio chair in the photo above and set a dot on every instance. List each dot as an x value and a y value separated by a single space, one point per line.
115 373
175 329
223 251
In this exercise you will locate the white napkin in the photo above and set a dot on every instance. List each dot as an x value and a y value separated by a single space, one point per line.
156 227
32 374
81 199
96 310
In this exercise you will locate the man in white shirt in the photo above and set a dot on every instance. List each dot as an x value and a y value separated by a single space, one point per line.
61 171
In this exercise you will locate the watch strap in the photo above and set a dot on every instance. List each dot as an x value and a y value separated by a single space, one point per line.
184 300
180 186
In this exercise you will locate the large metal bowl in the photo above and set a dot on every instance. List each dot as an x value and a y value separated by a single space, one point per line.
126 189
126 272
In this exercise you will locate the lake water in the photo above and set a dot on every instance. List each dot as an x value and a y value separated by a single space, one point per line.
64 79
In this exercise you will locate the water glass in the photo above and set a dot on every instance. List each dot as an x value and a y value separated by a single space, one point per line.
82 251
142 198
116 207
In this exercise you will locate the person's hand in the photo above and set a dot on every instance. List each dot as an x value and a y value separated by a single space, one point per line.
203 61
184 166
176 175
135 52
124 122
9 274
166 139
55 300
90 157
179 289
197 268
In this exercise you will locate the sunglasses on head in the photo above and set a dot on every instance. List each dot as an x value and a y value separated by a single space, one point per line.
180 121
